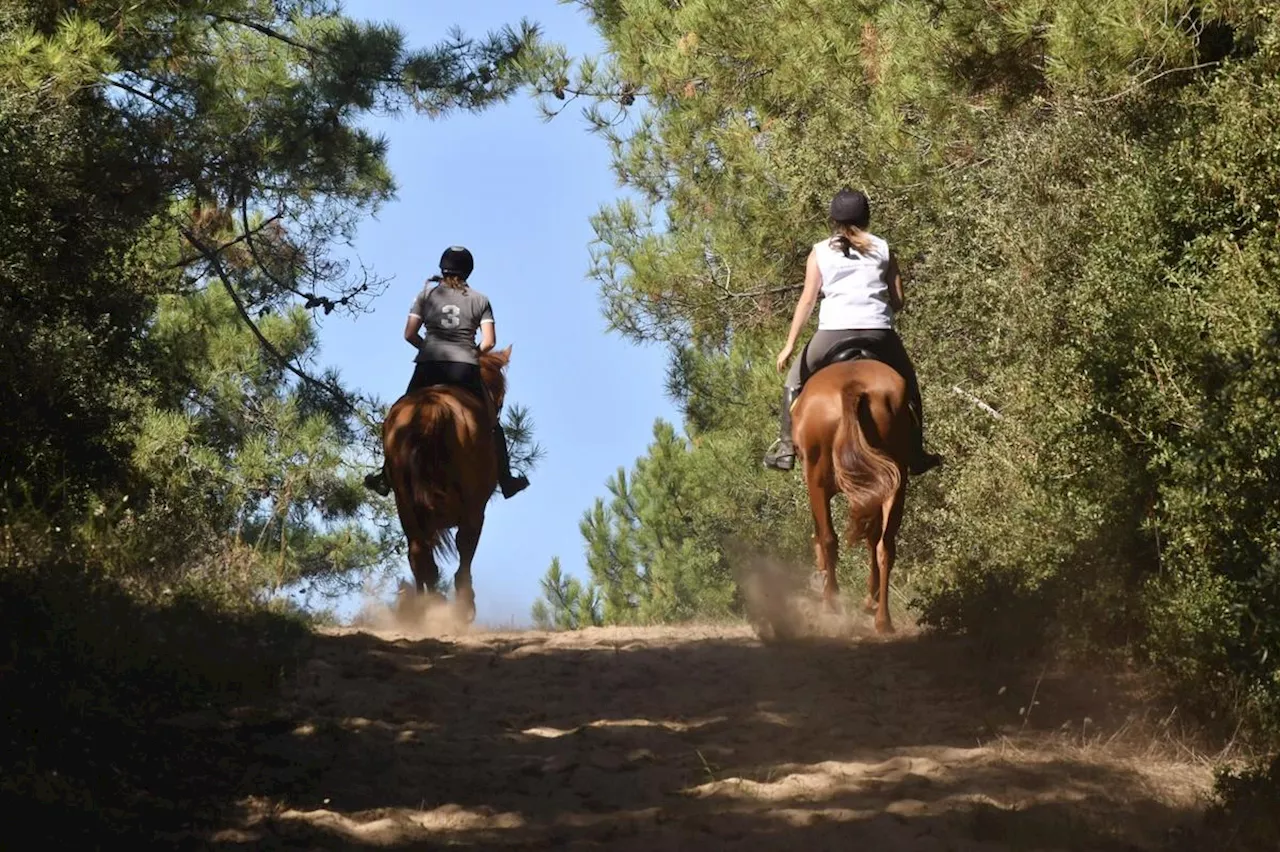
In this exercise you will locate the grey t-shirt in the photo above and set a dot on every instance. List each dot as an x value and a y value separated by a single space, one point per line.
451 317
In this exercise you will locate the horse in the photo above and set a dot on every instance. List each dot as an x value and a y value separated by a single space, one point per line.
441 464
852 433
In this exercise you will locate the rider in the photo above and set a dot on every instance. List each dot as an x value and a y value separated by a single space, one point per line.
452 313
861 289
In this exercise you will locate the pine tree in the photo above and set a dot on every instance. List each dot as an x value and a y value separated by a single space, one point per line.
566 603
653 558
174 180
1084 201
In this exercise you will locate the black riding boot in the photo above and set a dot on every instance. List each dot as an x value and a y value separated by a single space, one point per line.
921 462
782 455
378 481
511 485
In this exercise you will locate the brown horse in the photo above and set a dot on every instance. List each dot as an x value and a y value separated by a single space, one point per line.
440 461
853 434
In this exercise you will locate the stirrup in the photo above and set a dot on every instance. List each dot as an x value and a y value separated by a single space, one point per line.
377 482
779 459
924 462
513 486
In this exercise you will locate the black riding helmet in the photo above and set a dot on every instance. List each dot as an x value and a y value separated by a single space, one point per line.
456 260
851 207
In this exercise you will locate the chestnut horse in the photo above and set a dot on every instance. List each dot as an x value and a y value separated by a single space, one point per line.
441 463
852 432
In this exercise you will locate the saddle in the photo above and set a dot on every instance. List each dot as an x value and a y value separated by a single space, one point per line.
849 350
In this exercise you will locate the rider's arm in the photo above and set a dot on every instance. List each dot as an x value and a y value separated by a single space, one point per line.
411 327
808 298
488 336
894 276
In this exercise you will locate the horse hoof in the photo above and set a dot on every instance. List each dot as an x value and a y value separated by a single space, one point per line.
465 608
869 604
884 628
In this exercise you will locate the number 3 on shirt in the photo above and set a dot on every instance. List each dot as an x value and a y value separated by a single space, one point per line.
452 316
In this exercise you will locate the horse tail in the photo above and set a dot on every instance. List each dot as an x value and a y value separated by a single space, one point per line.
421 468
866 475
429 474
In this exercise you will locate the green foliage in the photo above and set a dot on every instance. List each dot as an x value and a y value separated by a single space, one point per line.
173 179
668 543
270 462
566 604
1084 199
74 297
653 555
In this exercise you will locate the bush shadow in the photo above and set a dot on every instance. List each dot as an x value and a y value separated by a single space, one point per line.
101 693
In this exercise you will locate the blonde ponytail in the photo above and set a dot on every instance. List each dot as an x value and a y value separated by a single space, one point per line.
851 238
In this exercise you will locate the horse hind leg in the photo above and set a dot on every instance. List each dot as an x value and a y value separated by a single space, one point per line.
412 600
422 561
870 529
885 554
873 575
468 540
825 545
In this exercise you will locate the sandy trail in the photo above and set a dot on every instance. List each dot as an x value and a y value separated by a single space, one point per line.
688 738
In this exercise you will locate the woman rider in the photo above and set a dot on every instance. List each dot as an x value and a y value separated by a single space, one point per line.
862 290
452 312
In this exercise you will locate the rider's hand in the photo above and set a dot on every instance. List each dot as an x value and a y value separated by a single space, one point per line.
784 357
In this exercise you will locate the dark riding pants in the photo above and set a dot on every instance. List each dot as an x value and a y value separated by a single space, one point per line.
427 373
884 343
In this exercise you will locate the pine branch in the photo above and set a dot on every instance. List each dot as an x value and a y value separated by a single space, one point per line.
312 300
184 262
146 96
1138 85
956 389
268 32
525 452
754 294
215 263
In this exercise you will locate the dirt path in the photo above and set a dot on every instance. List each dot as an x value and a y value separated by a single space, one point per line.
690 738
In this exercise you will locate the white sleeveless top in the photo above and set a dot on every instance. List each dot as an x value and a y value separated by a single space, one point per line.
855 293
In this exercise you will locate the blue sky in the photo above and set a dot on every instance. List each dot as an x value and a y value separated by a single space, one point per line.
518 192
